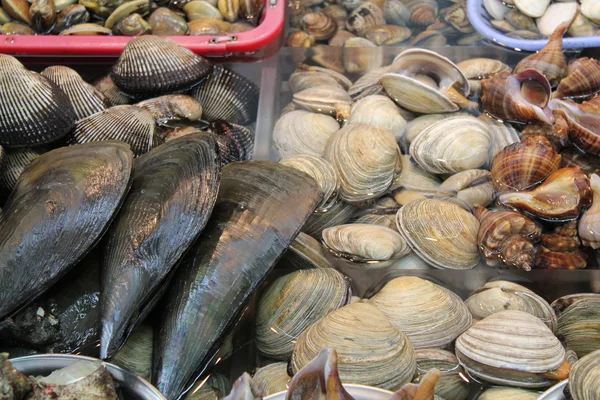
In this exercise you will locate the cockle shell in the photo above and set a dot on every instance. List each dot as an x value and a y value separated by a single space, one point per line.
583 79
14 162
582 122
440 232
272 378
366 160
364 17
452 145
319 25
561 249
468 189
506 393
292 303
583 380
482 68
559 198
497 296
329 100
379 112
534 9
579 326
303 132
378 354
512 348
451 384
524 165
589 224
430 315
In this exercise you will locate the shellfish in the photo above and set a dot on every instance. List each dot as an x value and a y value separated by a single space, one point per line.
302 132
468 188
328 100
582 122
583 79
379 112
579 325
560 249
272 378
584 377
364 17
451 384
589 224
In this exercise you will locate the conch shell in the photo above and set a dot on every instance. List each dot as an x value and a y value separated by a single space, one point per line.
583 122
583 79
589 224
560 250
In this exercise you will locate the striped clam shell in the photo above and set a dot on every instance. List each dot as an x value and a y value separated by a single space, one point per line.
152 66
33 110
172 107
227 95
14 163
129 124
272 378
236 142
583 381
111 92
85 98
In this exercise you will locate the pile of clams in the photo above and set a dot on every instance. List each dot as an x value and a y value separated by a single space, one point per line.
372 23
129 17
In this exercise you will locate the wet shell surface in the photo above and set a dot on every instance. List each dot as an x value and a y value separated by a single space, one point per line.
506 393
303 132
172 107
579 326
583 381
330 100
468 189
227 95
129 124
111 92
235 142
340 213
451 384
589 224
430 315
152 66
272 378
377 355
379 112
294 302
13 164
440 232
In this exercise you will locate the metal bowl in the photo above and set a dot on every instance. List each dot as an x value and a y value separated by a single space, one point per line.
132 386
359 392
555 392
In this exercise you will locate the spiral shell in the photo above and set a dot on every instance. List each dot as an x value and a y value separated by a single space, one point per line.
583 381
430 315
440 232
303 132
589 224
582 123
560 249
583 79
366 160
579 326
451 385
379 112
378 354
272 378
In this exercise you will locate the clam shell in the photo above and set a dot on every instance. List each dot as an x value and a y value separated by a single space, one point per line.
165 22
510 348
319 25
272 378
555 15
579 326
305 252
532 8
364 17
590 221
329 100
338 214
482 68
301 80
129 124
414 178
583 380
505 393
227 95
294 302
415 96
591 10
214 387
451 384
368 84
452 145
496 8
379 112
201 9
366 161
503 134
303 132
357 61
14 163
136 355
33 109
440 232
419 124
152 66
521 21
378 354
430 315
172 107
382 212
468 189
112 94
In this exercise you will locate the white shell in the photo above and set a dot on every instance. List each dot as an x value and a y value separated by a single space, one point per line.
379 112
419 124
416 96
591 9
272 378
303 132
589 224
582 27
555 15
414 178
532 8
583 381
506 393
496 9
468 188
324 99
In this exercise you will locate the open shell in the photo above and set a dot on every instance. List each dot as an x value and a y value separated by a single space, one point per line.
329 100
468 189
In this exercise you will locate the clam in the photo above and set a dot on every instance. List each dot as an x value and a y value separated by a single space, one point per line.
201 9
429 38
165 22
456 16
589 223
555 15
43 15
497 296
112 94
382 212
422 12
581 123
582 80
560 198
452 145
303 132
229 9
562 303
582 26
396 12
213 387
430 315
152 65
379 112
329 100
319 25
590 9
341 79
172 107
579 326
136 355
513 348
534 9
451 384
522 34
508 237
130 124
305 252
301 80
235 142
378 354
126 9
503 135
368 84
419 124
583 380
357 61
338 214
86 30
340 38
524 165
482 68
506 393
561 249
468 189
388 35
426 82
300 39
414 178
13 164
13 28
364 17
294 302
272 378
132 25
521 21
34 110
366 161
440 232
17 9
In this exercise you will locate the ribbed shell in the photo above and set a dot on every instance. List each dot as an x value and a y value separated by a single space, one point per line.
294 302
236 142
506 393
14 163
440 232
152 66
227 95
583 380
86 99
129 124
33 110
272 378
303 132
451 384
583 79
376 354
430 315
111 92
172 107
510 340
579 326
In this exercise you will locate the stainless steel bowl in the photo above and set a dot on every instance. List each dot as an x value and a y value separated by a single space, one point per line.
132 386
359 392
555 392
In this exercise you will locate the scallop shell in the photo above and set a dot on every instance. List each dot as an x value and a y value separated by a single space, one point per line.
511 348
377 355
430 315
379 112
468 189
583 380
292 303
583 79
303 132
579 326
129 124
329 100
13 164
440 232
366 161
322 172
112 94
151 66
589 223
452 145
272 378
33 109
451 384
506 393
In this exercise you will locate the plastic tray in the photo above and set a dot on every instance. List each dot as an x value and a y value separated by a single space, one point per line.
479 18
240 43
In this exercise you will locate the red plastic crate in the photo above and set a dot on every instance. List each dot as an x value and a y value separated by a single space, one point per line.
237 43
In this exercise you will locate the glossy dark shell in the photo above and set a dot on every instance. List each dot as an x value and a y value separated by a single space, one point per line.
60 207
260 209
227 95
14 163
152 66
111 92
236 142
129 124
174 188
33 110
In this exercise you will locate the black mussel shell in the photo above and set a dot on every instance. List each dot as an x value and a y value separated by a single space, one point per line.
111 92
86 99
33 110
174 188
227 95
129 124
172 107
152 66
60 207
14 163
236 142
338 214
